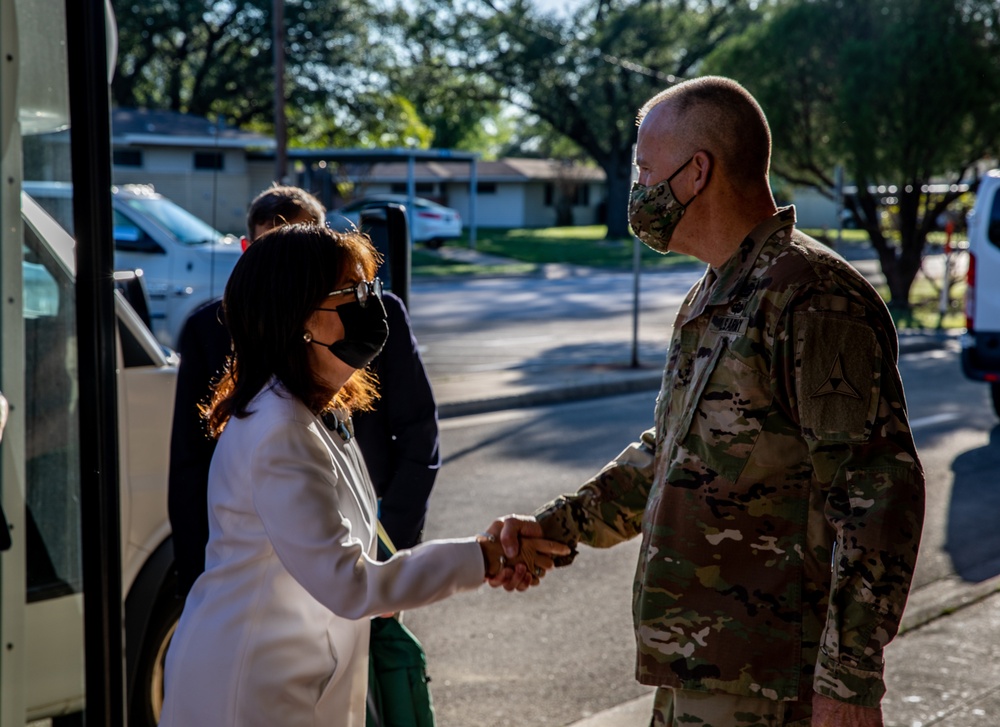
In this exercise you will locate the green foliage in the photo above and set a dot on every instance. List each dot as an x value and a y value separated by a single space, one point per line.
215 57
585 74
924 311
900 92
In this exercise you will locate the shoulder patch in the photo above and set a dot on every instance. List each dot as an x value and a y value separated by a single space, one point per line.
838 365
836 382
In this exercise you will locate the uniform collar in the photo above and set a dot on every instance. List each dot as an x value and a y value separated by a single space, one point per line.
731 275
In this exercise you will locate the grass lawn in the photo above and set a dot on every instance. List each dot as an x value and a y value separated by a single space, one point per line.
535 247
925 299
529 248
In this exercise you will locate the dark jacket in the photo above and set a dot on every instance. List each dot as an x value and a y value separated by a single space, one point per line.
399 439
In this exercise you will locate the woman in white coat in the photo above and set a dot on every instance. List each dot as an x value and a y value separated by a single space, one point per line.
275 632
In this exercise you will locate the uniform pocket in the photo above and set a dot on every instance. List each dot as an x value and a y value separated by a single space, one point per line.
693 371
729 415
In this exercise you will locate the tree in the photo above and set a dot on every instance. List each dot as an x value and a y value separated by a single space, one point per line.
900 92
452 102
587 74
214 57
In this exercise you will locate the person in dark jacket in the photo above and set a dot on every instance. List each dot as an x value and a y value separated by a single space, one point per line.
399 438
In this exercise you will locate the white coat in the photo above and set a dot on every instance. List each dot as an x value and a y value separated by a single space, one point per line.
275 632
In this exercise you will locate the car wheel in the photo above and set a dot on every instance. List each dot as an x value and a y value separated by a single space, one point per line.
434 243
147 696
995 390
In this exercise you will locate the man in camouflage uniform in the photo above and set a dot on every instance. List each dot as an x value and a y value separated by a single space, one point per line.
779 496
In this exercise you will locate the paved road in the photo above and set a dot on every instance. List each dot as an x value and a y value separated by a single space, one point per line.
484 339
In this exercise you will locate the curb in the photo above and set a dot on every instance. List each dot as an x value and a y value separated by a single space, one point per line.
614 386
943 598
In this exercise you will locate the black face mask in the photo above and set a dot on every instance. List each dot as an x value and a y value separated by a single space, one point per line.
365 332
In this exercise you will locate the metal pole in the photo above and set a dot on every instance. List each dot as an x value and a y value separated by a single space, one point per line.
473 193
945 301
636 265
100 527
838 177
280 122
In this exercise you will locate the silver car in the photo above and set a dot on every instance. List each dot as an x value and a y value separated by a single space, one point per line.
430 222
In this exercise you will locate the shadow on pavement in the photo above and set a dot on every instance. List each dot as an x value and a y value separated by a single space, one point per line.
973 535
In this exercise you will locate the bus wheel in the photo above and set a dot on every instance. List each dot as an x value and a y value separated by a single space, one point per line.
147 696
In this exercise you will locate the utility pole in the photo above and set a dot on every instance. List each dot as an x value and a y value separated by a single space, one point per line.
280 125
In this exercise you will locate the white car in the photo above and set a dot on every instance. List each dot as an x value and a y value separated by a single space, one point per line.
430 222
981 342
184 261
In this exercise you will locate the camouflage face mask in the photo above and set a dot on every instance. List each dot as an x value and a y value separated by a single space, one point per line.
654 212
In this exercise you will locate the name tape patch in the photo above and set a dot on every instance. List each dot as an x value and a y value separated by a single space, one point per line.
732 325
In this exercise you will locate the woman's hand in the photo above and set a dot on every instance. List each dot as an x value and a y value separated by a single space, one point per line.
515 554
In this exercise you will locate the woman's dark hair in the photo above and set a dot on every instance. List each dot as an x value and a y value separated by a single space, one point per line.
274 288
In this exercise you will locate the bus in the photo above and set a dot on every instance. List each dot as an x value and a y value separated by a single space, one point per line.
86 597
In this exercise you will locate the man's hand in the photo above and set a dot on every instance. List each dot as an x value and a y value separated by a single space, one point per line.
829 712
510 530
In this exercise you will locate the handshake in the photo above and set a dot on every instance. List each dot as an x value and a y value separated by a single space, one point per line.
515 553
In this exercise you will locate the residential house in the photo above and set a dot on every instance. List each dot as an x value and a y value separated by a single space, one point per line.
509 192
213 170
201 165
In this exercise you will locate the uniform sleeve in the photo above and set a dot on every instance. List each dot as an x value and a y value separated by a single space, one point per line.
608 509
839 367
400 438
297 493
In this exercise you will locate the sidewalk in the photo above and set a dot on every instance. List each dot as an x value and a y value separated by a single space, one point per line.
946 654
916 674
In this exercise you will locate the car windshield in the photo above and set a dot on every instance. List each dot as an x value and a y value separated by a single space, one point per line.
180 223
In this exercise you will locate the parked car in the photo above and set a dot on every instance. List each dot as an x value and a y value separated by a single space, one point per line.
146 381
981 342
430 222
185 262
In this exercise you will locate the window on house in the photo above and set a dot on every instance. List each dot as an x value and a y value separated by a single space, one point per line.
213 160
420 188
126 157
486 188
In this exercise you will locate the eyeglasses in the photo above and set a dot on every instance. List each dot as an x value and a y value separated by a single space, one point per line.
363 292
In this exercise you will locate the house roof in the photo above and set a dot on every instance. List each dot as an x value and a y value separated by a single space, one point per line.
502 170
144 127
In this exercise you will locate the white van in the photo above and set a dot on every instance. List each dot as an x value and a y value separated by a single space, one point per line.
981 342
184 261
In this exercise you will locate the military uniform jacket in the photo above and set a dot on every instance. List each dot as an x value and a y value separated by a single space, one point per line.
779 495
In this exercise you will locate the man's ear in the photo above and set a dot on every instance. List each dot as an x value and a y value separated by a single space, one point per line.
703 165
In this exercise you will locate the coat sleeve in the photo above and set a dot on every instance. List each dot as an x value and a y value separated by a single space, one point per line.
400 438
840 374
298 493
202 360
608 509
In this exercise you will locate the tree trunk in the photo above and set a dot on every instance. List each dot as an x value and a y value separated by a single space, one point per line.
912 235
618 168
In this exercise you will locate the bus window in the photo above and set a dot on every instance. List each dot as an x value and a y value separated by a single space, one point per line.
52 426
